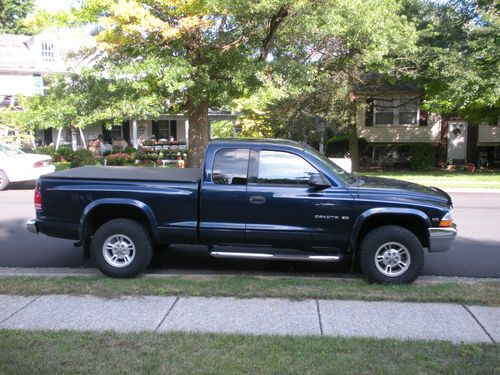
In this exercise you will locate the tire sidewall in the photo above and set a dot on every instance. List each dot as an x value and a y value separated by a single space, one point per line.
385 234
136 233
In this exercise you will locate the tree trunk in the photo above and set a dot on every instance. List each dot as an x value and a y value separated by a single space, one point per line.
198 132
353 137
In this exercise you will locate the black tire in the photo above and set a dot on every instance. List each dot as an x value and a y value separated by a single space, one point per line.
135 240
395 246
4 181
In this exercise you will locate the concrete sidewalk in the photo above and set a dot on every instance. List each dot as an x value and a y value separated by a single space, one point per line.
425 321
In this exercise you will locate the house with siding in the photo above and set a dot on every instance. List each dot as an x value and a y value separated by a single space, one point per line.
391 119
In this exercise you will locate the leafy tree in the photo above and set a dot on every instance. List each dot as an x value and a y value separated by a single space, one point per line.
12 15
459 60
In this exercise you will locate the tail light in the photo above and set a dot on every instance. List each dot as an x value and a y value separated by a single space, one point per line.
42 163
38 199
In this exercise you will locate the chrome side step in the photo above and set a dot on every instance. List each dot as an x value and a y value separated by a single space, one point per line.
298 257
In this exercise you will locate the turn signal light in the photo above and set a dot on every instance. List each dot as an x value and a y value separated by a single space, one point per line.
447 220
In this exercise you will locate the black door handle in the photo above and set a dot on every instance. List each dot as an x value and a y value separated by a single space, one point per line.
257 199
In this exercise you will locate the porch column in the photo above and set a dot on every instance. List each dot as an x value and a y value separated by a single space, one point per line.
234 128
58 140
74 140
135 142
83 138
186 130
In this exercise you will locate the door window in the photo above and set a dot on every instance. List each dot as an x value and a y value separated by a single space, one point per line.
276 167
231 166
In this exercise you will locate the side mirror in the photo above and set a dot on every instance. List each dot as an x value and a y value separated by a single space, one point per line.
318 181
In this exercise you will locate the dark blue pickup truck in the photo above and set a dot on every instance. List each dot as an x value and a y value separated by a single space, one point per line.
268 199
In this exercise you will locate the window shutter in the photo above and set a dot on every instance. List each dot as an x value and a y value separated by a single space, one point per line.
106 134
126 130
424 117
156 130
369 112
173 129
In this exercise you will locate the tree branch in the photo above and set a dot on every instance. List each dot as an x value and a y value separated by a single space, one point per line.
275 22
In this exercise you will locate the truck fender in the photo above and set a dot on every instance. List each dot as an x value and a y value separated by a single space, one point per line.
383 211
144 208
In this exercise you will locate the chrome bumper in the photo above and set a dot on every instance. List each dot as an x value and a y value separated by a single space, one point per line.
440 239
31 226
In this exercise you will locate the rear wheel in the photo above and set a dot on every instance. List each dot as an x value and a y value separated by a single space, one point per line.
121 248
391 254
4 181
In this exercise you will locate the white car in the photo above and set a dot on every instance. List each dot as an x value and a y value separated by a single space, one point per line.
15 165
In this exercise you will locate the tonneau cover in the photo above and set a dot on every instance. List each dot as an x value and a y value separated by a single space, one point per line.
130 174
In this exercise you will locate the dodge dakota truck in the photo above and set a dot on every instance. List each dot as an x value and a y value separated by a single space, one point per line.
258 199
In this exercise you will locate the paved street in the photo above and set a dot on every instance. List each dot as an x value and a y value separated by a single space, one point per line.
476 251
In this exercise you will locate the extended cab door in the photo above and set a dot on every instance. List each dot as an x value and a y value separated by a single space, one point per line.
284 211
223 197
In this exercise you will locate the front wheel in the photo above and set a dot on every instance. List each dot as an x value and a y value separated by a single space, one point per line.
391 254
121 248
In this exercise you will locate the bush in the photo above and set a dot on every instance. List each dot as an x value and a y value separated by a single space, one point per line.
82 157
65 153
422 157
118 159
337 146
129 150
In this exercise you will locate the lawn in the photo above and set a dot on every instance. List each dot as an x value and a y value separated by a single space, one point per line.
445 179
477 292
43 352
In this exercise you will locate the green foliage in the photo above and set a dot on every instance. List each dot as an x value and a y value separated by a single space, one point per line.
119 159
221 129
458 64
13 14
422 156
82 157
337 146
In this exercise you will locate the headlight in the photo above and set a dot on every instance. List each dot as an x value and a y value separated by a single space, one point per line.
446 220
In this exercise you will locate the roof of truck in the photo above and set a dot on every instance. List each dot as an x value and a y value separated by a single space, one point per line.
267 141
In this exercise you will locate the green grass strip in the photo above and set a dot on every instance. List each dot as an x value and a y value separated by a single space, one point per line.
479 292
67 352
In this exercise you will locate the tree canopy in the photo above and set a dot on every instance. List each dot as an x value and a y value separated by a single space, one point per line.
12 15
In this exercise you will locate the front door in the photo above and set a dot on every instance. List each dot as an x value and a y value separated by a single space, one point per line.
457 141
284 211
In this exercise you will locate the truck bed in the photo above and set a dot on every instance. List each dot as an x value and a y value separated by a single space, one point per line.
129 174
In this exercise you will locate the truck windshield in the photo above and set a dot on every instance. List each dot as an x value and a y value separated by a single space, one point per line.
345 176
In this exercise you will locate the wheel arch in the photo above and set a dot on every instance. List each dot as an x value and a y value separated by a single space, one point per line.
98 212
412 219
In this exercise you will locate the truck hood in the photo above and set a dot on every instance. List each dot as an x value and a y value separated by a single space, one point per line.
399 189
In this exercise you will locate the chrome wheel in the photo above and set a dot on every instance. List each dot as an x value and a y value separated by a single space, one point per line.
118 250
392 259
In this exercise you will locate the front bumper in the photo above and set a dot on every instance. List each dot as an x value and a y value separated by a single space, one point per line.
31 226
440 239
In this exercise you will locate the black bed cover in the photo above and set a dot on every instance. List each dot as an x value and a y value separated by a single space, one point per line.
130 173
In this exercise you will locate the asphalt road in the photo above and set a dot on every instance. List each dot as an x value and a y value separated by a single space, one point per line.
476 252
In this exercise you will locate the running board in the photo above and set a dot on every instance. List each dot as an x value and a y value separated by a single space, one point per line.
298 257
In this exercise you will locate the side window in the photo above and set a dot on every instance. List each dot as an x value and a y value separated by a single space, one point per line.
231 166
277 167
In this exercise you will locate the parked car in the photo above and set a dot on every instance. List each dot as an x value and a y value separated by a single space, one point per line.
16 165
266 199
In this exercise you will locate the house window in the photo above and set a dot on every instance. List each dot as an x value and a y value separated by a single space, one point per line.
383 110
396 111
167 129
116 132
48 51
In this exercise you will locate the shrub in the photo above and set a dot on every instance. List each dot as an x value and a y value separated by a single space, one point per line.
82 157
129 150
65 153
118 159
422 156
337 146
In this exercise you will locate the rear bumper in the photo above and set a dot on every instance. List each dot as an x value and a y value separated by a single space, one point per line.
31 226
440 239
